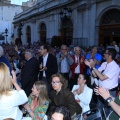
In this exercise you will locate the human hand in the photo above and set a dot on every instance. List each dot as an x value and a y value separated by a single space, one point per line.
87 63
92 63
75 92
16 48
43 69
41 66
104 93
66 53
82 60
13 78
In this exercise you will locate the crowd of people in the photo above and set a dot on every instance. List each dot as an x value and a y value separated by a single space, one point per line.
39 82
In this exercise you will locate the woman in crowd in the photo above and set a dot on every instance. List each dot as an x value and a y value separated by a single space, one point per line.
82 92
38 101
60 113
10 99
63 96
115 104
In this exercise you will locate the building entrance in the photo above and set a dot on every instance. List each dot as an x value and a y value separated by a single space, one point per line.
110 27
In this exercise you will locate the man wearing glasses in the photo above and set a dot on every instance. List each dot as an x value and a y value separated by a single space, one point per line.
107 73
64 61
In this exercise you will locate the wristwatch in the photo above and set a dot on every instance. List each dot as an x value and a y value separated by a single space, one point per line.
109 99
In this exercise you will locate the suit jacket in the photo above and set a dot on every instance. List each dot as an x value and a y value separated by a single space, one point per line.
74 65
29 74
51 65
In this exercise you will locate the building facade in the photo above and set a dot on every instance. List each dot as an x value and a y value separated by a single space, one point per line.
5 1
7 13
91 22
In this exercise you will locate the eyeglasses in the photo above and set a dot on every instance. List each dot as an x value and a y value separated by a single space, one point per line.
105 53
55 82
64 49
41 49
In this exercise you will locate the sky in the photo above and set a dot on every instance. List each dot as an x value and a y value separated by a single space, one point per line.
18 2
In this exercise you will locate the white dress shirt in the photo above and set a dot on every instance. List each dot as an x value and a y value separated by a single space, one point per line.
77 69
111 70
44 63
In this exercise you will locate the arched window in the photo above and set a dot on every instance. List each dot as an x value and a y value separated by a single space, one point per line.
67 31
110 27
43 33
111 17
28 34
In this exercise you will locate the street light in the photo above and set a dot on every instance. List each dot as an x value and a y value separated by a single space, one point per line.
6 34
65 15
20 31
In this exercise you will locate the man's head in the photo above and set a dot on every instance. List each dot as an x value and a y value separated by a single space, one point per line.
44 49
28 54
77 50
110 53
94 49
64 49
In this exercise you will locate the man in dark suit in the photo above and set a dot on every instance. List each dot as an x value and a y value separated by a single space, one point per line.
29 73
48 65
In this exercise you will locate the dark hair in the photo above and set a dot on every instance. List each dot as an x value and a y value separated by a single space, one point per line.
45 46
62 80
94 46
87 78
63 110
112 52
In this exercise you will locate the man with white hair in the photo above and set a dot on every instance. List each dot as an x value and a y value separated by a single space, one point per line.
4 59
29 73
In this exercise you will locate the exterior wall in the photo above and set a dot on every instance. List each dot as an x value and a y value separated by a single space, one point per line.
85 18
7 13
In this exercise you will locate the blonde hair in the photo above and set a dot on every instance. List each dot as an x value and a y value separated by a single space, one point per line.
5 80
43 91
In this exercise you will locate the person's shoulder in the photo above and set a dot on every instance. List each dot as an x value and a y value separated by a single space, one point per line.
66 91
75 86
88 88
115 64
52 92
51 55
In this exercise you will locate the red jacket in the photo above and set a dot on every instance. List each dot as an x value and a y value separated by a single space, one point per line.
74 65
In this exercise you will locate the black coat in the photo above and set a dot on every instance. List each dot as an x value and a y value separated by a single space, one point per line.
29 74
51 65
65 97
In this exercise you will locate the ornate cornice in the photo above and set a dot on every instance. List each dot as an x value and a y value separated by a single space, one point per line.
39 9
